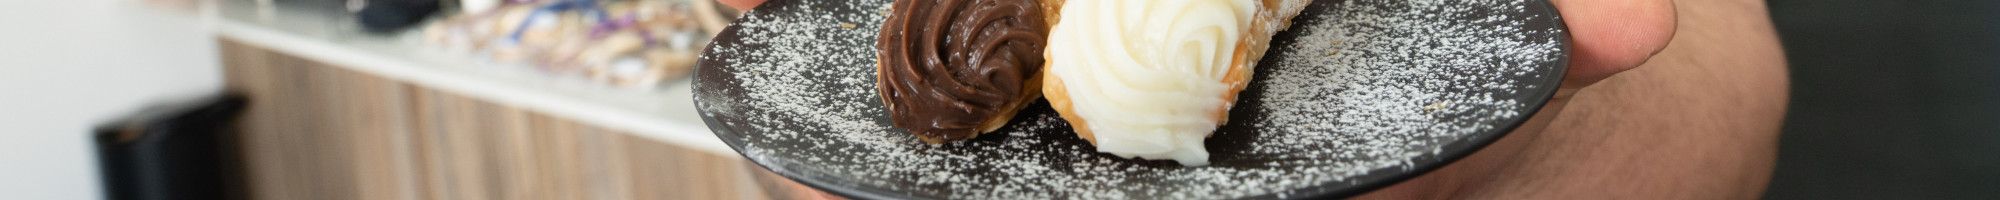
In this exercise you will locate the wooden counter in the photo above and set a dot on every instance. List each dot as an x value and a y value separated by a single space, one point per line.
340 115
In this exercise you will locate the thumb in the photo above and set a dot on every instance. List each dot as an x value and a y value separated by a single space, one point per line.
1611 36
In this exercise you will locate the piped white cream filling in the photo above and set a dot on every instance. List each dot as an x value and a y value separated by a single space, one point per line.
1148 74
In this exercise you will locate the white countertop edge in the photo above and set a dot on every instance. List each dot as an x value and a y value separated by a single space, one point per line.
690 135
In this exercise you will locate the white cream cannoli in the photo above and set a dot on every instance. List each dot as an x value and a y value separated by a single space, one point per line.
1152 79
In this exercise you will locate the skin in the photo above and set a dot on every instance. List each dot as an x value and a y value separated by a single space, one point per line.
1666 100
1663 99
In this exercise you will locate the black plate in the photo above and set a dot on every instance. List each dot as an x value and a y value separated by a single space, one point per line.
1359 94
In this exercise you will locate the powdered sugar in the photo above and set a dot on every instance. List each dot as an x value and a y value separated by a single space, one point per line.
1361 90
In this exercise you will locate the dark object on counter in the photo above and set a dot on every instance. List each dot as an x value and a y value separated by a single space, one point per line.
383 16
176 151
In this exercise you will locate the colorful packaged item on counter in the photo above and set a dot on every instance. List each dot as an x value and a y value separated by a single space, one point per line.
623 43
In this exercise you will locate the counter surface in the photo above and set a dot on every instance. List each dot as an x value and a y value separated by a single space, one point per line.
665 113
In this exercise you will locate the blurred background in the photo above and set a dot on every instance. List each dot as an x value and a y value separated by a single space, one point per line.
66 66
1891 99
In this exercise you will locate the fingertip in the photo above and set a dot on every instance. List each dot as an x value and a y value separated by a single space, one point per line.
742 4
1609 37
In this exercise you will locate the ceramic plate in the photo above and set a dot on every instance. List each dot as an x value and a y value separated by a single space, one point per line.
1356 95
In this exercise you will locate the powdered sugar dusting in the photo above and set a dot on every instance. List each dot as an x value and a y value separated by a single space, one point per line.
1361 88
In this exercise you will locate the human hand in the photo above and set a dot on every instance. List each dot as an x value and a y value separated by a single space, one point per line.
1607 37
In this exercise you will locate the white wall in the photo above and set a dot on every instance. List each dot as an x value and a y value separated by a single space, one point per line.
66 65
